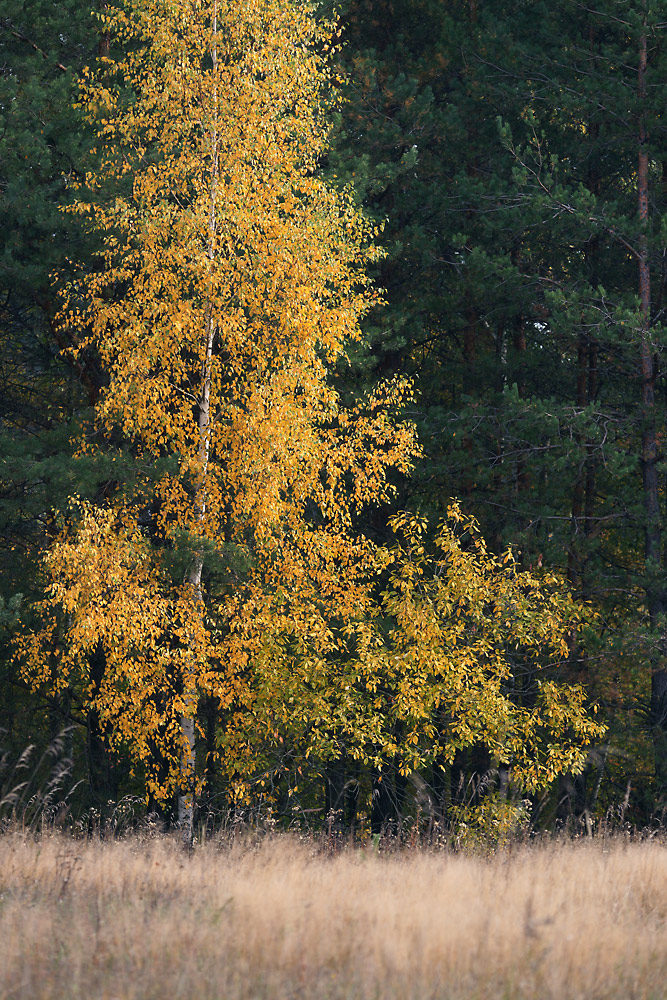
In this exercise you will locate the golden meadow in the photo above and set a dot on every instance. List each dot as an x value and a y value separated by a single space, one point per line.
285 918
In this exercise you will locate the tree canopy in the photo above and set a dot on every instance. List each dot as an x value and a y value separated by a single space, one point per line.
308 271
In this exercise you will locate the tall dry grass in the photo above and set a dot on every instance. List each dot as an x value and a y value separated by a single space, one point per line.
139 919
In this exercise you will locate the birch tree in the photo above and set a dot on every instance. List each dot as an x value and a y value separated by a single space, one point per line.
231 278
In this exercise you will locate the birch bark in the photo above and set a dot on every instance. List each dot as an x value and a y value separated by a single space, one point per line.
193 576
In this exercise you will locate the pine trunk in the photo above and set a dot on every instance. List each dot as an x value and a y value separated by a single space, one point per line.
653 535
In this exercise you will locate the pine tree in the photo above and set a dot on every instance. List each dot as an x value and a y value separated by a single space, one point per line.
43 142
595 168
512 278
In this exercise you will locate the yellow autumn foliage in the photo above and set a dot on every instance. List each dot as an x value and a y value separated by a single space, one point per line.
461 648
231 277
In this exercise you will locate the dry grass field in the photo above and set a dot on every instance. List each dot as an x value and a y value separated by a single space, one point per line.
138 919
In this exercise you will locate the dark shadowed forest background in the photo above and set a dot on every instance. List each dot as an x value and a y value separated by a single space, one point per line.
515 157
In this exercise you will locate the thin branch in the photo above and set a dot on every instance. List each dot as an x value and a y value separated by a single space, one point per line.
24 38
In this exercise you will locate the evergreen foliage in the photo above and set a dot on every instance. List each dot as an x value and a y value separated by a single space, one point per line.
510 161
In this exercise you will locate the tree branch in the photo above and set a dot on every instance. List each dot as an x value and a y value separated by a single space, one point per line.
24 38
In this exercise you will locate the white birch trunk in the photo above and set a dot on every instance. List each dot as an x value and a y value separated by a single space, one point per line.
193 576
